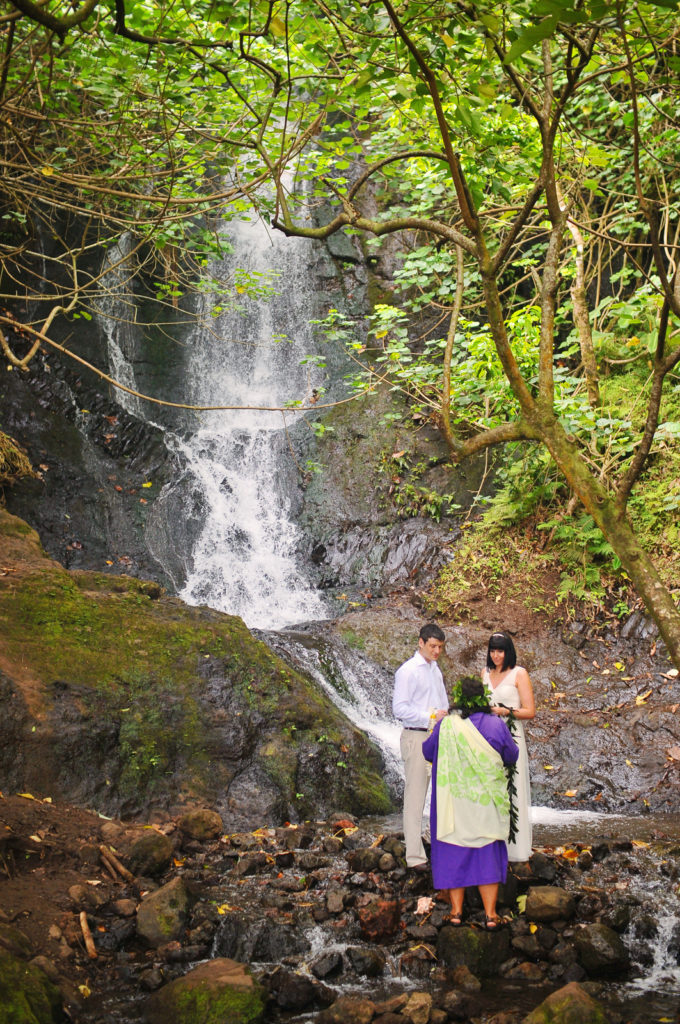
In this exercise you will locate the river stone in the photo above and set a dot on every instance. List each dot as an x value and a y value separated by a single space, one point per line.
163 914
348 1010
215 992
569 1005
549 903
379 920
201 823
366 960
418 1008
292 991
482 952
600 949
151 854
27 996
328 965
364 859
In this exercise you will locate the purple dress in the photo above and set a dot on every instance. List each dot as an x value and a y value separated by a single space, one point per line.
456 866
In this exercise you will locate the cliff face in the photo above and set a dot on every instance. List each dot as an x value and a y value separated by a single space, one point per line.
117 697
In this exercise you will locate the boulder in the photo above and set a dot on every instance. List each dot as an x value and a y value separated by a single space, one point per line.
366 961
569 1005
162 916
27 996
482 952
348 1010
549 903
151 854
600 949
217 991
418 1008
379 920
201 823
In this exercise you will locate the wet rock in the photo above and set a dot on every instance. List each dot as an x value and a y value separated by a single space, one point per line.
526 972
201 823
162 915
463 978
247 938
368 962
542 868
379 920
456 1005
290 990
335 900
151 854
217 991
569 1005
482 952
364 859
124 907
600 949
549 903
418 1008
528 945
348 1010
393 1005
387 862
26 993
327 966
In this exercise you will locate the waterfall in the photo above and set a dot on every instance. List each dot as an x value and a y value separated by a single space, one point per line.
117 316
240 462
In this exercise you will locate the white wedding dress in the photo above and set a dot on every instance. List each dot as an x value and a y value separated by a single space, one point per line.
506 693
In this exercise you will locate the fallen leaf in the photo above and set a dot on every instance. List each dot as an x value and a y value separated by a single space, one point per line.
26 796
642 697
629 763
36 839
640 843
84 991
571 792
671 674
147 484
548 767
673 753
424 905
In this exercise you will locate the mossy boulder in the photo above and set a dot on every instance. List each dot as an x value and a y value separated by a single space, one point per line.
218 991
163 914
118 697
27 996
569 1005
481 952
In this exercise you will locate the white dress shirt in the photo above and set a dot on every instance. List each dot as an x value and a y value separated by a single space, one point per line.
418 690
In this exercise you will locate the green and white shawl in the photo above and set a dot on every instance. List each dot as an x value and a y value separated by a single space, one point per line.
473 806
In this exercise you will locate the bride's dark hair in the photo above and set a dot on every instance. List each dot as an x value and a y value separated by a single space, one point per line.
501 642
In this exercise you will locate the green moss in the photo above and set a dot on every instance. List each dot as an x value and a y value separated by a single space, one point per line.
207 1006
27 996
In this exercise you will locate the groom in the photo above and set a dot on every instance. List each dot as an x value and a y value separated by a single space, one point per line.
419 701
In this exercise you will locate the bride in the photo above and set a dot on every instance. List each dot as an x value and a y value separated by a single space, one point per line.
509 687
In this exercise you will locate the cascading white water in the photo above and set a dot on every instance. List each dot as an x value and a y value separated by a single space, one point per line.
244 559
117 319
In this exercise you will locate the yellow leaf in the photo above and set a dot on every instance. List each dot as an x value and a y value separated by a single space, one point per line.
277 26
84 991
571 792
148 483
26 796
629 763
640 843
224 908
642 697
47 171
522 903
36 839
533 928
548 767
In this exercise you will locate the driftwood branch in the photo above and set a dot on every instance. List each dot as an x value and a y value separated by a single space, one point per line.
87 936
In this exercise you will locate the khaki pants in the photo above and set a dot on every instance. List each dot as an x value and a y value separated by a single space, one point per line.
417 772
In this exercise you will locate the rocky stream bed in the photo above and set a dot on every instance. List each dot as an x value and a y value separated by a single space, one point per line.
108 922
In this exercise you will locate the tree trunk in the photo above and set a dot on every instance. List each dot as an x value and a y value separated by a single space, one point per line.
617 530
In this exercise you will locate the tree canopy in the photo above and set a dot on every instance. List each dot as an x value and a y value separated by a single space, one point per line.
523 153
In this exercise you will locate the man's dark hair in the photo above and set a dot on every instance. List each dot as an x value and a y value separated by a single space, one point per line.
501 642
431 632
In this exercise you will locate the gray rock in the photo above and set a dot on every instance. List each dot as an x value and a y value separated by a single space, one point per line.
600 949
549 903
162 916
